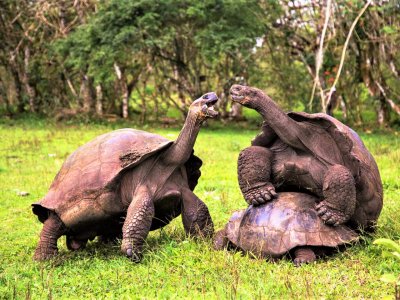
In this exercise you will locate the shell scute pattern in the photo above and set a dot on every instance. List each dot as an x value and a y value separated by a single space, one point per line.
276 227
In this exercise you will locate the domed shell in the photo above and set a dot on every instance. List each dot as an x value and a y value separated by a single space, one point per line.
91 173
273 229
353 150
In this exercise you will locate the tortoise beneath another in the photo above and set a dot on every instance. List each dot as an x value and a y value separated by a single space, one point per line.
287 225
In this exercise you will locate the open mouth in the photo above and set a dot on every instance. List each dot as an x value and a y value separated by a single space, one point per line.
236 97
208 107
211 112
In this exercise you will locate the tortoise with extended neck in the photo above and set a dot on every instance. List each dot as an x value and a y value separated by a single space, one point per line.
126 174
288 225
313 152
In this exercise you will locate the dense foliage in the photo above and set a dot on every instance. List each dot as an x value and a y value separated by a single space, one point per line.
146 58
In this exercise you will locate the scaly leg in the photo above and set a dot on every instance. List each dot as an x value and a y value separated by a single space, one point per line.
53 229
254 172
195 215
137 225
339 191
303 255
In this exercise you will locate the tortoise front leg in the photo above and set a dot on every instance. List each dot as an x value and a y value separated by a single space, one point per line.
254 172
53 229
137 225
195 215
339 191
303 255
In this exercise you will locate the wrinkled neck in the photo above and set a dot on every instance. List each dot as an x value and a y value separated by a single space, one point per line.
285 127
272 114
180 151
174 157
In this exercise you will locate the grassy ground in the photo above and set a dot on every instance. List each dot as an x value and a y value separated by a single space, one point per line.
173 267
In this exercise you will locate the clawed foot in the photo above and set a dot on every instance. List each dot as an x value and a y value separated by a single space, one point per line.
329 215
304 256
134 255
260 195
42 254
298 261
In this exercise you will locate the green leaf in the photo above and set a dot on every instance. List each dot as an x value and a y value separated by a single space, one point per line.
388 244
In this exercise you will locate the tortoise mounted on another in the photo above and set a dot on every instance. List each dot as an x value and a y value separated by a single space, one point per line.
309 152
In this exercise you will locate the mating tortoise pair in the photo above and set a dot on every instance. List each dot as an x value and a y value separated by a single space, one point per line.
149 180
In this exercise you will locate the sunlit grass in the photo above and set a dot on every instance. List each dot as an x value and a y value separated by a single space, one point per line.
31 153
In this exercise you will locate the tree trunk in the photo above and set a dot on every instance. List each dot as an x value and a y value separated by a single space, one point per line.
381 115
99 100
332 103
343 107
86 94
389 102
4 97
30 91
17 86
61 15
124 91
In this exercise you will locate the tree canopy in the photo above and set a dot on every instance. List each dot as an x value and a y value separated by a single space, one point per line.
140 59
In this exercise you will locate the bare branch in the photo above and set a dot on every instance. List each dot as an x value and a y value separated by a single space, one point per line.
333 87
319 58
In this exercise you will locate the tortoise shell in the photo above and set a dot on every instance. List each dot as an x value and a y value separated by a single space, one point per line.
273 229
89 176
354 153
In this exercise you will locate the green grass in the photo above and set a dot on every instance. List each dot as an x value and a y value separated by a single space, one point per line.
31 153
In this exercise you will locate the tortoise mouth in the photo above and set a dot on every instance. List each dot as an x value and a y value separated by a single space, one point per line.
207 102
236 97
209 111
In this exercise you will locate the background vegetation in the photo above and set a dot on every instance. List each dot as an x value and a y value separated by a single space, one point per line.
142 58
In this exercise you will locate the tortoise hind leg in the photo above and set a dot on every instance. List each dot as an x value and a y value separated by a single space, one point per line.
195 215
303 255
53 229
339 191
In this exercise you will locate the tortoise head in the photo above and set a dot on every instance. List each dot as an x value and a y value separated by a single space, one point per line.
203 107
245 95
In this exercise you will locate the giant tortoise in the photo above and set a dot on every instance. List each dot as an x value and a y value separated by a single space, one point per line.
288 225
126 176
312 152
